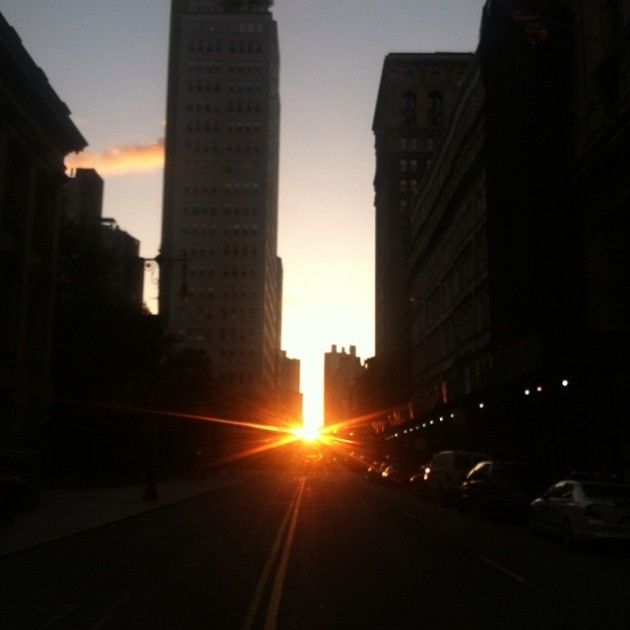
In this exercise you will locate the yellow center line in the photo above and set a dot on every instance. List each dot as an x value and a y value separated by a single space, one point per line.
278 584
264 576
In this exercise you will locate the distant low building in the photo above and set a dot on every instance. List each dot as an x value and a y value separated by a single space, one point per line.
36 133
341 373
289 395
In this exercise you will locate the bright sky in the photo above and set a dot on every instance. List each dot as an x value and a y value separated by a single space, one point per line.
107 60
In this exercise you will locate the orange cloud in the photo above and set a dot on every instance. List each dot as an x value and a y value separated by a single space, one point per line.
136 158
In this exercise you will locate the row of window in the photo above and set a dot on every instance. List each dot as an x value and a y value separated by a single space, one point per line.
244 251
416 144
213 230
206 126
198 146
202 191
202 66
244 107
244 127
203 293
240 47
408 165
236 378
233 87
207 26
204 86
202 126
233 312
249 87
408 185
203 107
228 210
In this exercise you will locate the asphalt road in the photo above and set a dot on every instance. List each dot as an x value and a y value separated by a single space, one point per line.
318 549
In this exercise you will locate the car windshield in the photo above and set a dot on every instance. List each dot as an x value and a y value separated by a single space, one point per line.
606 491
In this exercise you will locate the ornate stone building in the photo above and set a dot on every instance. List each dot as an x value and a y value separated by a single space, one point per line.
36 134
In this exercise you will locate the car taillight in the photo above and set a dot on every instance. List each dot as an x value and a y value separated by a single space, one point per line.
592 511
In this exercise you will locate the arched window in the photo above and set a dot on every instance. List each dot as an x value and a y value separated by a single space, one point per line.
435 108
408 106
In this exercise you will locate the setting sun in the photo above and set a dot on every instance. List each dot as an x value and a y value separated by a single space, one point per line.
307 433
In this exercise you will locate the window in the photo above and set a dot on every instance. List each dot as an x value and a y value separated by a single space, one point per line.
435 108
408 106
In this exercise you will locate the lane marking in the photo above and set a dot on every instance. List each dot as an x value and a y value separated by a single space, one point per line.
271 559
111 611
498 567
61 616
278 584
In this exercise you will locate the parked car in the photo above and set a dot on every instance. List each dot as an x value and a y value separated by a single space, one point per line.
494 486
580 510
446 471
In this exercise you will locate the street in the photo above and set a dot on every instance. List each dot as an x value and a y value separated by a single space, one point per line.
321 548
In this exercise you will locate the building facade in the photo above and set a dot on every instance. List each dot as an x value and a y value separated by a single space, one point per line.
36 133
448 265
520 256
417 94
220 277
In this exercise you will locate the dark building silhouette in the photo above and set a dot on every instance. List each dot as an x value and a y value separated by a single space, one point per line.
341 373
36 133
520 255
289 395
123 276
219 229
96 248
448 265
416 96
83 197
600 195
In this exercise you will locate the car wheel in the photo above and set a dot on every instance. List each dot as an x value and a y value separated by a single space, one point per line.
566 534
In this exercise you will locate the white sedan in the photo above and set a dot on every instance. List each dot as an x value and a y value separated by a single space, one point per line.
582 510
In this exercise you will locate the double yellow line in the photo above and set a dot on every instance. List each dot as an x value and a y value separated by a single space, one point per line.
288 526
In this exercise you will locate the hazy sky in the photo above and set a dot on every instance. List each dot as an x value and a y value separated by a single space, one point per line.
107 60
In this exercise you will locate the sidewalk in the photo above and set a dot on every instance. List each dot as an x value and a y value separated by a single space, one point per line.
66 512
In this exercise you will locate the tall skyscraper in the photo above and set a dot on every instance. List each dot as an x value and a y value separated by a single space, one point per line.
221 278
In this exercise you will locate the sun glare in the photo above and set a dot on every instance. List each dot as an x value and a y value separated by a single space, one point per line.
307 433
